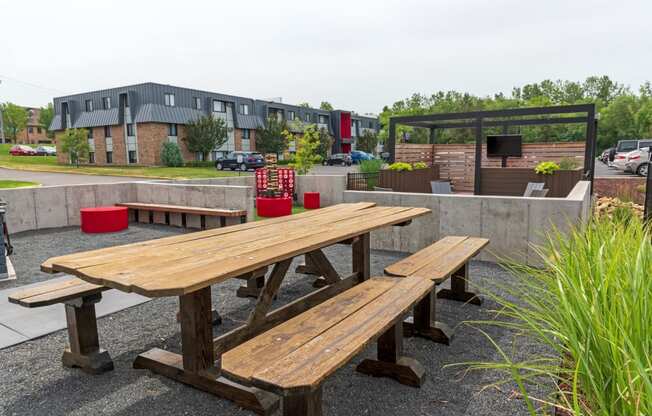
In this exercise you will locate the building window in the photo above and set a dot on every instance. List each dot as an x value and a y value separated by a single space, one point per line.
89 105
38 129
197 103
169 100
109 156
219 106
172 129
246 134
130 130
290 115
371 124
323 119
244 109
30 130
126 101
90 133
308 118
132 156
107 131
91 157
106 102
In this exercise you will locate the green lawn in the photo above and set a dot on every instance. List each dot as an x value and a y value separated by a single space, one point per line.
6 183
49 164
295 210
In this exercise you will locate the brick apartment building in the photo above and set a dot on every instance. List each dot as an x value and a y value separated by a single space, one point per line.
34 132
128 125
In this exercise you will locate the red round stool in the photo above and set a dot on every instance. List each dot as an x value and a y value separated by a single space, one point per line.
273 207
311 200
104 219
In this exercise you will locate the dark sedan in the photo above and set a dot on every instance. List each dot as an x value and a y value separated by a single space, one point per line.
343 159
240 160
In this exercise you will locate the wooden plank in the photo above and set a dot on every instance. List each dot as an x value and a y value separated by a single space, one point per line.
306 367
252 356
163 278
442 267
217 212
297 219
411 264
59 292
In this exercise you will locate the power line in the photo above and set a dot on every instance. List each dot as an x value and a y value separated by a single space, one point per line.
31 84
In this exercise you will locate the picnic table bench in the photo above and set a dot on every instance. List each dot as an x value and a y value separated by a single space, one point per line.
221 213
187 265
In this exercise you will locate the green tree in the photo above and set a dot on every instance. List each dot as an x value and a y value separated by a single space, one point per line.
269 138
325 143
45 118
325 105
74 142
304 105
367 142
171 155
14 119
305 156
205 134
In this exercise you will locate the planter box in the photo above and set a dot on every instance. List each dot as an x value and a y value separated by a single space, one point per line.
513 181
417 180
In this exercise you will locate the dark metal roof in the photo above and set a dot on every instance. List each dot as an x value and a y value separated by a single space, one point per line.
97 118
55 124
165 114
249 121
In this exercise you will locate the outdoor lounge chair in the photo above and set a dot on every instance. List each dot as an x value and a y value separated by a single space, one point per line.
441 187
532 186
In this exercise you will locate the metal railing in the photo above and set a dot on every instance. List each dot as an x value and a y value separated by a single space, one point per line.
357 181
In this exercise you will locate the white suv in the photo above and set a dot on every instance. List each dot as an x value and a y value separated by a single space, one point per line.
635 161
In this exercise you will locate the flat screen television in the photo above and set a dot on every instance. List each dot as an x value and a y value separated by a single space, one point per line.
505 145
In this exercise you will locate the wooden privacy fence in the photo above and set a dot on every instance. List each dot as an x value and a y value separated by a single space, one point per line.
457 161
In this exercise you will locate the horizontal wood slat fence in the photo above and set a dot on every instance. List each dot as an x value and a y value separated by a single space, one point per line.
457 161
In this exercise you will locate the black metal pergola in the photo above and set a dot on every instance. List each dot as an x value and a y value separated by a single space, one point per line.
532 116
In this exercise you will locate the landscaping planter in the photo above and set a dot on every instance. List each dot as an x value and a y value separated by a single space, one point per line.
273 207
311 200
513 181
417 180
104 219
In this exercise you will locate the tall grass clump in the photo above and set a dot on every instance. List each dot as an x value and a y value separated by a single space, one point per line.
371 166
591 304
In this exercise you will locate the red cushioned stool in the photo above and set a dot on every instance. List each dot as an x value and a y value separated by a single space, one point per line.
273 207
104 219
311 200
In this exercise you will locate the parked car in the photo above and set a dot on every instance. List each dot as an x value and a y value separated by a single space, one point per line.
22 150
46 151
637 161
629 161
623 146
343 159
358 156
240 160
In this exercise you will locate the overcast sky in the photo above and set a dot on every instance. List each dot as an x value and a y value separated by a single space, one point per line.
359 55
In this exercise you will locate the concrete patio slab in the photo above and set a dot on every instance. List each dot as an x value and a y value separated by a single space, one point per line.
19 324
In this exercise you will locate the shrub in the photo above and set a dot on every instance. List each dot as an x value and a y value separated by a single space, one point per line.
591 306
200 164
419 165
371 166
568 163
400 166
171 155
546 168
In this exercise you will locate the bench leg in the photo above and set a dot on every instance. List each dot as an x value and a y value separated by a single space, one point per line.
391 363
306 404
85 351
459 288
423 323
196 365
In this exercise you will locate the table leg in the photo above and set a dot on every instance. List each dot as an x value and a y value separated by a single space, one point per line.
196 365
361 256
304 404
424 323
391 362
85 351
459 288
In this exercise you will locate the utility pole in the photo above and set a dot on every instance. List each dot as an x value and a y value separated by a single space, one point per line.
2 125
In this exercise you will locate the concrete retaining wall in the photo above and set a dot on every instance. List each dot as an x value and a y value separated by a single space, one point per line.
512 224
58 206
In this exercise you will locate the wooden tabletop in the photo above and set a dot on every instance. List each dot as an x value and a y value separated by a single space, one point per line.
174 266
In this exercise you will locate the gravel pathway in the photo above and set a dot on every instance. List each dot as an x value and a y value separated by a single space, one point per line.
34 382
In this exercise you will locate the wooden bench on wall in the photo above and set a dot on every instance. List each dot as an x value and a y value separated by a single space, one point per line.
220 213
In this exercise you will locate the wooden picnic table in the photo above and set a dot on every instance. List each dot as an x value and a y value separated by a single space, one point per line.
187 265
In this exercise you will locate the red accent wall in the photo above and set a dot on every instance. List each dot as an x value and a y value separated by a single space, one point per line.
345 125
346 147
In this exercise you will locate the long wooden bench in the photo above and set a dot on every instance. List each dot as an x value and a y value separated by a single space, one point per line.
222 214
79 298
295 357
446 258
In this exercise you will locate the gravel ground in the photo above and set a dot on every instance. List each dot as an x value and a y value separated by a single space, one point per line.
35 383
